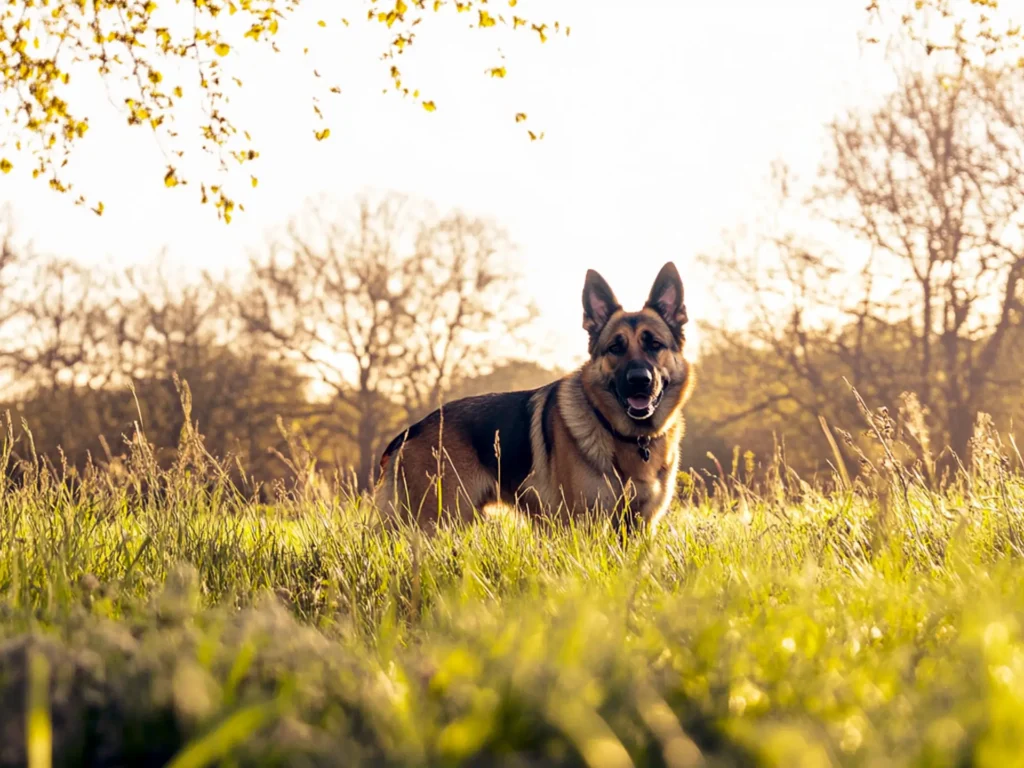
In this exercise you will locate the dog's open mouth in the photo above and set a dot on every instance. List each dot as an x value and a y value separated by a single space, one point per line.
639 402
641 406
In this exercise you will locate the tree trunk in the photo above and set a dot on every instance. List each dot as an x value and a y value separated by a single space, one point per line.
926 345
961 429
959 415
365 439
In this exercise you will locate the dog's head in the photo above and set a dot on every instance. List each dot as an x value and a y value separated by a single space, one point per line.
637 375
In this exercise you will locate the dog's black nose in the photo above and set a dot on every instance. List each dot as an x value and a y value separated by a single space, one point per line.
640 376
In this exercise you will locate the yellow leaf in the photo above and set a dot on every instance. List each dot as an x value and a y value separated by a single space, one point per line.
222 49
520 116
512 3
536 136
496 72
437 5
345 22
98 210
321 135
321 23
177 91
486 20
416 93
255 181
5 165
170 180
429 106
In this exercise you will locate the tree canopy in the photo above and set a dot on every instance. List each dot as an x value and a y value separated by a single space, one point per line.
973 32
173 67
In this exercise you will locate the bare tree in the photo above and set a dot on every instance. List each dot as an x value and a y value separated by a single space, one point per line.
163 328
465 300
925 195
75 338
62 318
166 330
11 261
387 307
10 258
935 181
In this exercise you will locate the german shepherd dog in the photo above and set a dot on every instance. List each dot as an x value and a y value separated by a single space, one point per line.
604 438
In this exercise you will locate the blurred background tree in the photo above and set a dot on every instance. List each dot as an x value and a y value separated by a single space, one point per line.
926 194
387 306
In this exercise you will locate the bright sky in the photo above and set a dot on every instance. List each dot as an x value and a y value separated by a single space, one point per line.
660 122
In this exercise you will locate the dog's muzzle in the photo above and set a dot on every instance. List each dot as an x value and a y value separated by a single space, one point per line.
636 391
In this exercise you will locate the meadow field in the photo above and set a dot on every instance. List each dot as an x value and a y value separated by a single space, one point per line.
820 205
160 616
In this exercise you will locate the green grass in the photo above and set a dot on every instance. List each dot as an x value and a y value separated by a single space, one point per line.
154 617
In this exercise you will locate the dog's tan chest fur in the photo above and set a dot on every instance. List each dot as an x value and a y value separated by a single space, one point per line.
589 469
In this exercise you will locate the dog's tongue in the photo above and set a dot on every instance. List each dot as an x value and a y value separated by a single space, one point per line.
640 403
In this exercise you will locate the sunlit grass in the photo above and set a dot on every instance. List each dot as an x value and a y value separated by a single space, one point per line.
158 616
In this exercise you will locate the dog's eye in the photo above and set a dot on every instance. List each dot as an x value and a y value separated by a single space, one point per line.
618 346
653 344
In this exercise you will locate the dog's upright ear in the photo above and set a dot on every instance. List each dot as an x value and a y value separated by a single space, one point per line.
667 298
599 303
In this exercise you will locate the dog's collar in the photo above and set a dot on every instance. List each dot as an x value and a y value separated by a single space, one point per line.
643 442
